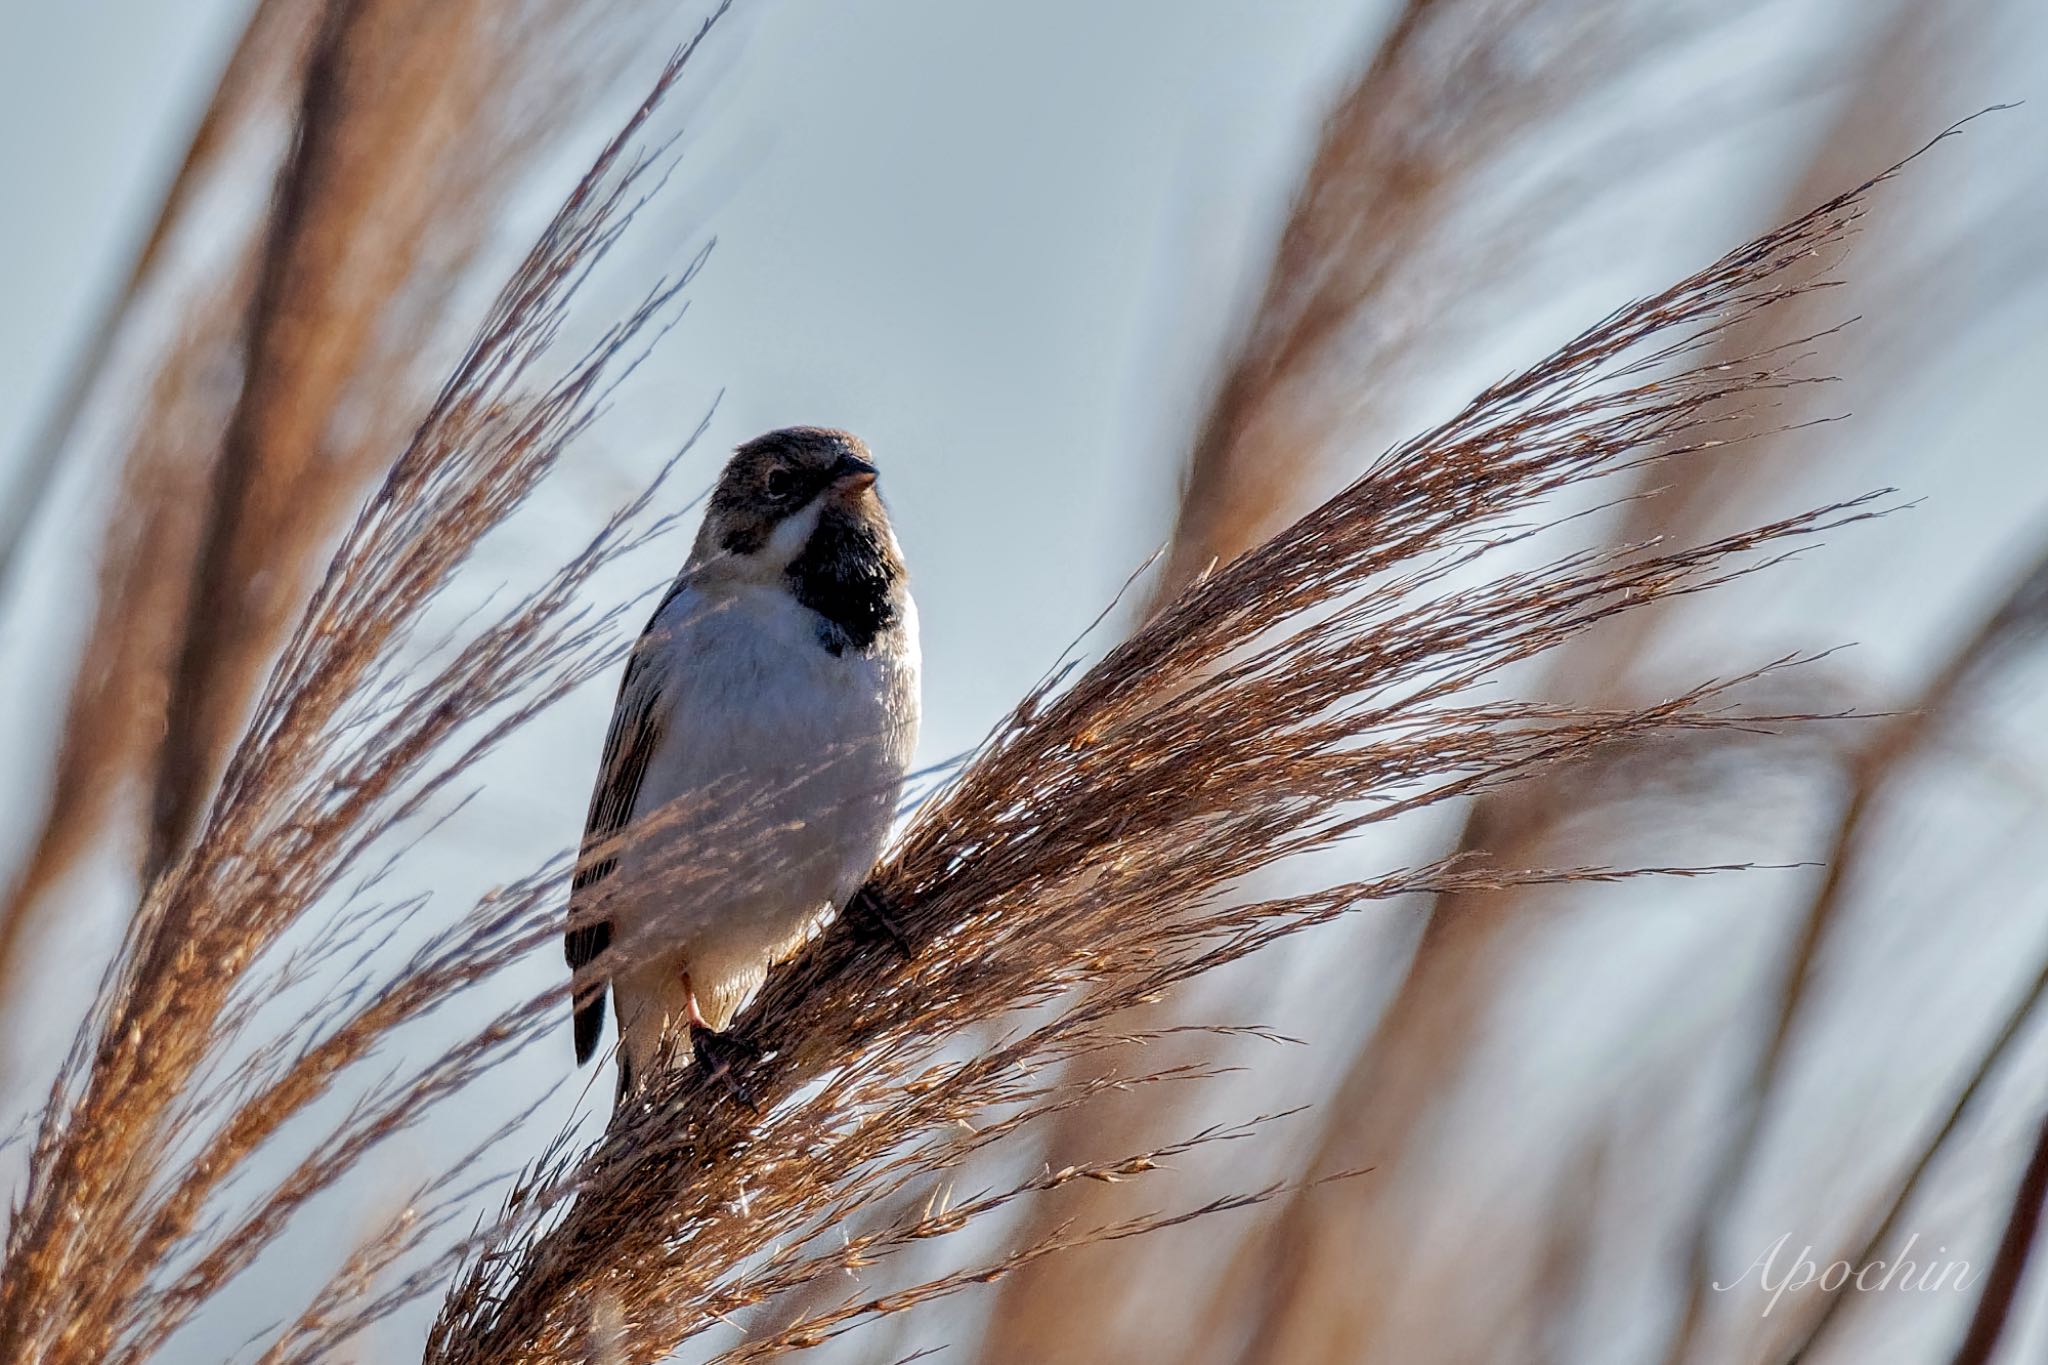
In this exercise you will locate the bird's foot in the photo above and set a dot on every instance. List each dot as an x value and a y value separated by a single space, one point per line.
722 1055
870 913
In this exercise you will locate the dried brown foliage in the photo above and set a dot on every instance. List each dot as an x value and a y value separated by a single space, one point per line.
1328 1275
253 90
1379 248
1355 669
408 130
1398 228
120 1232
115 714
305 359
1330 680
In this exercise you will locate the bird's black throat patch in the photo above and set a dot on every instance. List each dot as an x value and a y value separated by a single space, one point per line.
847 574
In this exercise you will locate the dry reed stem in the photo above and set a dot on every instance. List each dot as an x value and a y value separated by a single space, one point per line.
254 85
407 128
2019 620
1333 1268
1813 1316
1320 684
1369 250
341 752
1823 1310
1568 1241
1890 754
115 710
1377 260
2009 1265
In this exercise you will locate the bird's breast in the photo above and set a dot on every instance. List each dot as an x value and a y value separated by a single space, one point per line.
775 784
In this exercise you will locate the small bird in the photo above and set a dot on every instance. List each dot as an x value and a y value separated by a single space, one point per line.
757 749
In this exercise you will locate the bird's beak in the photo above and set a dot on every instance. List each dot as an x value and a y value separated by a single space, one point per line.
851 473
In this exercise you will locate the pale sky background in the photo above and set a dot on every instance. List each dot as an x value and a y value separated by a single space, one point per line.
1003 242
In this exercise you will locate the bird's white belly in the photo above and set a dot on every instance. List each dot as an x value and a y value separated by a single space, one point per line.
767 801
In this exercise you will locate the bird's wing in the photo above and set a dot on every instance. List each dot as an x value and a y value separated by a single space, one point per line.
638 722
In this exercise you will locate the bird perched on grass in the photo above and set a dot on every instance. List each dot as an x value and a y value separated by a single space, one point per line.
756 752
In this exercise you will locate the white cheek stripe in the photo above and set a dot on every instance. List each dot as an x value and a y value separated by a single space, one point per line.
790 535
767 564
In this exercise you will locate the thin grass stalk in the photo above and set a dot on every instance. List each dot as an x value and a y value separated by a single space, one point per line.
1995 1306
1877 770
1816 1316
2018 621
393 153
114 712
1570 1238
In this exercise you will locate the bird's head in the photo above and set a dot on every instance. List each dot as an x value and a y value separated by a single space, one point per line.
775 493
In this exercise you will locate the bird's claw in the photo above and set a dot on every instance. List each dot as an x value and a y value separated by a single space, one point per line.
869 912
721 1055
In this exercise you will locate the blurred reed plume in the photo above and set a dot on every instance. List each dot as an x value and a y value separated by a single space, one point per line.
114 721
247 104
118 1236
1451 90
1407 218
397 131
1349 1250
1468 641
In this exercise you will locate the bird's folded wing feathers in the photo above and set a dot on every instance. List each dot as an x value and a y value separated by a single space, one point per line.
638 721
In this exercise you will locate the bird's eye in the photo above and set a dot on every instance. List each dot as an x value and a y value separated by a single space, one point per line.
781 483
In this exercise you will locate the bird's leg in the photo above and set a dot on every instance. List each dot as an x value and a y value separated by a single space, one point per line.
720 1054
868 912
690 999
